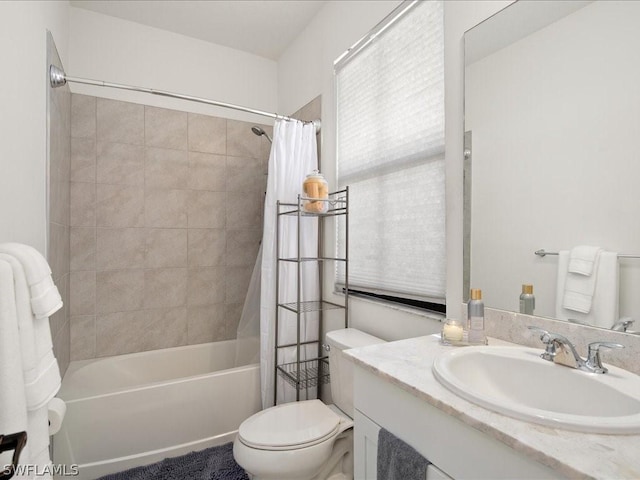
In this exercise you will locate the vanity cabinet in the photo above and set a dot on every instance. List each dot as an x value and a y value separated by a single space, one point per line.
365 441
455 449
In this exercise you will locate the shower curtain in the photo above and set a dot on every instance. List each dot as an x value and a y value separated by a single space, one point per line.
293 156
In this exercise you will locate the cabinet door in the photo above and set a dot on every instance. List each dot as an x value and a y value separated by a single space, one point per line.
365 446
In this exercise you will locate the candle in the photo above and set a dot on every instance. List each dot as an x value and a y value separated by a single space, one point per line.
452 332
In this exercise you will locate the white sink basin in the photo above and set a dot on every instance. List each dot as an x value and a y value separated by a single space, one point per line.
516 382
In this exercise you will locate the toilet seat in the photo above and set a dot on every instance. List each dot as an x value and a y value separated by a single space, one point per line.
290 426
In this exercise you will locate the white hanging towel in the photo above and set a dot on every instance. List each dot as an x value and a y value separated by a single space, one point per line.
580 284
41 371
35 297
584 259
45 298
13 411
589 299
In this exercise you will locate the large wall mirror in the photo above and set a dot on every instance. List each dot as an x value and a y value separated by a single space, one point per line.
552 110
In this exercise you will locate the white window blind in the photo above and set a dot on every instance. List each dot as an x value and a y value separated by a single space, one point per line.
390 150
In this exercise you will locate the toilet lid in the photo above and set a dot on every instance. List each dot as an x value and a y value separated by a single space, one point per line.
289 425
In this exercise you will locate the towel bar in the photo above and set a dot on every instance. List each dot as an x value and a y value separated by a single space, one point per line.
542 252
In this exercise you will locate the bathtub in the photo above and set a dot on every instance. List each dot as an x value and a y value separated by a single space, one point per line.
132 410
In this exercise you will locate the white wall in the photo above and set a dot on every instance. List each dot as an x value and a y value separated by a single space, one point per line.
306 70
23 138
119 51
555 120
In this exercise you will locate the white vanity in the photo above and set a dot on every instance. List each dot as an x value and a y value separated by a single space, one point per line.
396 389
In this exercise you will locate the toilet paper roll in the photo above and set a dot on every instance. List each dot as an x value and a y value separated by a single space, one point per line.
57 409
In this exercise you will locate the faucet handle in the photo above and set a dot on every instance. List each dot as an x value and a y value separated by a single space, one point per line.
594 363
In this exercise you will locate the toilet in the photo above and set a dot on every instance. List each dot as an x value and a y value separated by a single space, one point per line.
306 440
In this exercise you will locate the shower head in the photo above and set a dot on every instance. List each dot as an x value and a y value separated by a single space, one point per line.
259 131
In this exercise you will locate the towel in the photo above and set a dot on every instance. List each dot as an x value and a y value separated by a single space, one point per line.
583 260
571 302
45 298
40 368
13 414
397 460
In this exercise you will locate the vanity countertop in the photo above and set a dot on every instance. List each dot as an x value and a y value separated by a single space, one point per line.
407 364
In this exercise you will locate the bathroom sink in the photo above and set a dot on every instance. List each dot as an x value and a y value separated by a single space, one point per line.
515 381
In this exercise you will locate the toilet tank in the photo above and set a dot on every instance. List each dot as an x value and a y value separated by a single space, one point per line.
340 368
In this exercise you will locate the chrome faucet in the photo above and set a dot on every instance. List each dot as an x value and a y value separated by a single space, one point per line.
561 351
623 324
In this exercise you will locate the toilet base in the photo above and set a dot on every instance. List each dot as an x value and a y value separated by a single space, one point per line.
339 465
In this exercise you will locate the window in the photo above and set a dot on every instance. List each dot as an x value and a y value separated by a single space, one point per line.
390 150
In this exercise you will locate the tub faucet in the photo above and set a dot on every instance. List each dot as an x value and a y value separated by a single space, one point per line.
561 351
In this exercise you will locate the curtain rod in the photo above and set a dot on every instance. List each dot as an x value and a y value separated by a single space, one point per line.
543 252
58 78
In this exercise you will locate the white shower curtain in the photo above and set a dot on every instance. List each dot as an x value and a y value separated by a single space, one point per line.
293 156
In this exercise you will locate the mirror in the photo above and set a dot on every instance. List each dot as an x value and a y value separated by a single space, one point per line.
552 111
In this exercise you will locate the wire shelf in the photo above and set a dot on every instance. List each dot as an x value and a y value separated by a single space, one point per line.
313 372
313 306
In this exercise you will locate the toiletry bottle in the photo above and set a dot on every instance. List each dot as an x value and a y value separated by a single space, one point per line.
475 309
527 300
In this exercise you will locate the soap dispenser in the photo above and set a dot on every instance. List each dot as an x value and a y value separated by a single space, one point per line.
475 309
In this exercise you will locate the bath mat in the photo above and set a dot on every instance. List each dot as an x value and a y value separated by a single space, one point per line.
216 463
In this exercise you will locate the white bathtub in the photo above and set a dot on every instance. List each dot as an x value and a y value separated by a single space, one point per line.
136 409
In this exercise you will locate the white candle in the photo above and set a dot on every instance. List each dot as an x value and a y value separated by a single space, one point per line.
452 332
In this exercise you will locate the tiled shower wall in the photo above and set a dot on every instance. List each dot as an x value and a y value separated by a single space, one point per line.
166 218
59 119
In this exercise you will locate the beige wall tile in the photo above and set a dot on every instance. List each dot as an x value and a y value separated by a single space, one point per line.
166 247
165 287
244 209
165 327
207 134
83 293
207 172
242 246
237 282
83 160
165 208
206 286
165 168
232 315
83 337
241 141
205 324
62 348
120 333
244 175
207 209
119 206
121 122
59 318
119 291
120 248
82 211
120 163
58 250
265 145
165 128
83 116
83 248
158 209
207 247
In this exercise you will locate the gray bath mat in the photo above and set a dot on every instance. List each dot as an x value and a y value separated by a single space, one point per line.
216 463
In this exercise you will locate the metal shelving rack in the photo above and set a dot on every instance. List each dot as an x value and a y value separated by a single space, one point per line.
303 374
